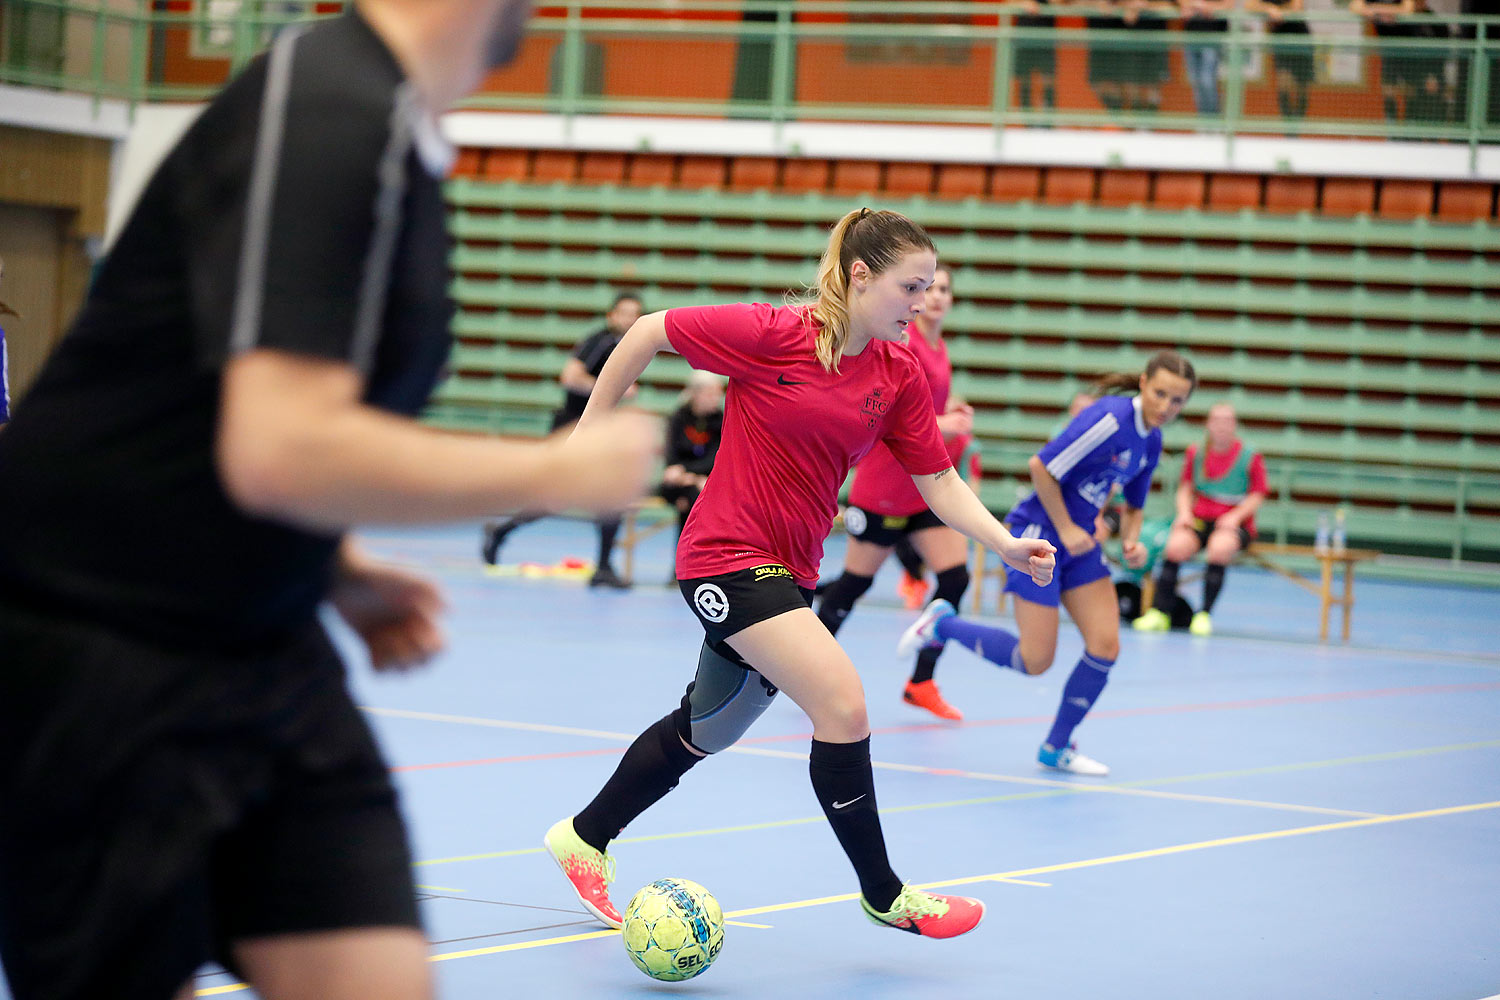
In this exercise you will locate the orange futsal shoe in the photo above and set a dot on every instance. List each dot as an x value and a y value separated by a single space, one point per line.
925 694
928 914
913 591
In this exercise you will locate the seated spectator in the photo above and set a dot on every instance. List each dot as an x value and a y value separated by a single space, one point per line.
1223 484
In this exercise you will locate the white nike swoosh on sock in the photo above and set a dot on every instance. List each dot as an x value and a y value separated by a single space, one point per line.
840 805
1080 702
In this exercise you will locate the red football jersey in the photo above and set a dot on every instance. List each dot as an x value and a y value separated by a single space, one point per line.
792 432
881 485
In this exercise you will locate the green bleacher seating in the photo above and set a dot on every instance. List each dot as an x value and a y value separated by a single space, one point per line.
1362 355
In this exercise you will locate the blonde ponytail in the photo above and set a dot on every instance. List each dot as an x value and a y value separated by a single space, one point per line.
877 238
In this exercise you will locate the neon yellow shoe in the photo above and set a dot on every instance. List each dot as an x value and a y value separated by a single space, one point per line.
589 871
928 914
1154 620
1201 624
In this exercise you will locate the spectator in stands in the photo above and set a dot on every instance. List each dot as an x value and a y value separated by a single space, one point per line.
1395 69
1036 57
1293 63
1223 484
1204 20
693 435
1109 58
5 311
577 377
1146 64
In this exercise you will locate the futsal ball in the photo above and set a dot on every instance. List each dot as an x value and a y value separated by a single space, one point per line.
673 929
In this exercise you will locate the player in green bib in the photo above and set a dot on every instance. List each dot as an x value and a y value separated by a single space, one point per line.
1223 484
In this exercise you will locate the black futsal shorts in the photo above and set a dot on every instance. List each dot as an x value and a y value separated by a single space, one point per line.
730 602
157 805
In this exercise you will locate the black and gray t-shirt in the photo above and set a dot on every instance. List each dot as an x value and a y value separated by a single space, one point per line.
301 212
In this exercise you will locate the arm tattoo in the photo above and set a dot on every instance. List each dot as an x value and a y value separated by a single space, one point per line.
939 475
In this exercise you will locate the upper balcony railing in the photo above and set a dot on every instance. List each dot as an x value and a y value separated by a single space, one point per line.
1123 65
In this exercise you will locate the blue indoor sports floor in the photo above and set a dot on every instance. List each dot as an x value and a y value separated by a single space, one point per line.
1284 819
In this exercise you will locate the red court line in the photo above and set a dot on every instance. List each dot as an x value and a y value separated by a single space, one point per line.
510 760
1210 706
1025 720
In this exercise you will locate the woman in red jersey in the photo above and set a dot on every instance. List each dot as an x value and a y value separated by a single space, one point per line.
885 506
812 388
1223 485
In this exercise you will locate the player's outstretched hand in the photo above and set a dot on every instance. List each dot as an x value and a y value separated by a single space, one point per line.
1135 554
1034 556
607 462
393 610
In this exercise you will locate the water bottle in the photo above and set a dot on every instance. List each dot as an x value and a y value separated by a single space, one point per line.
1320 544
1339 537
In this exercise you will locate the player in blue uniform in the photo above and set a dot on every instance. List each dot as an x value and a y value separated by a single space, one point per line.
1113 443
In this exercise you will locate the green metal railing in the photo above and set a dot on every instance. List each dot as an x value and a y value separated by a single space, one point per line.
1445 82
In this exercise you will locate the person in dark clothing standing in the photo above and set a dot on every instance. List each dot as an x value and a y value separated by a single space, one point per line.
694 432
183 774
577 377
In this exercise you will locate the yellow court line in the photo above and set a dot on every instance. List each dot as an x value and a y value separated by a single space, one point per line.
1022 881
741 923
437 888
216 990
1016 875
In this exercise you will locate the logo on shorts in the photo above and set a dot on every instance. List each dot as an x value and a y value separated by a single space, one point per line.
711 603
772 571
854 521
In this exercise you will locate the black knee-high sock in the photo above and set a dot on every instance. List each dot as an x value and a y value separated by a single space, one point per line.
1166 586
839 597
1302 98
910 561
1390 109
608 529
649 770
1049 95
1025 95
1213 582
845 785
1284 102
951 584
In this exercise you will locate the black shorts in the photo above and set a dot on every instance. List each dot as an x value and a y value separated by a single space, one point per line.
877 529
1203 529
157 805
730 602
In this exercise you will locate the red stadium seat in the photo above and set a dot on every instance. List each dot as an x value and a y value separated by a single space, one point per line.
1232 192
909 178
856 177
702 172
603 168
555 165
1016 183
650 168
798 174
1122 188
1348 196
1461 201
1065 185
961 180
752 173
1174 190
1291 194
506 165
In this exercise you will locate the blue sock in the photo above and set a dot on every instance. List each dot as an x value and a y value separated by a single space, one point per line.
994 644
1079 694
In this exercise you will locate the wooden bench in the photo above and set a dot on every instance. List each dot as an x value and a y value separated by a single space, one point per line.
633 531
1262 554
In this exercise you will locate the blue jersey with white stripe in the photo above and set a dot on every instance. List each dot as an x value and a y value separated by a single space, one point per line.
1106 445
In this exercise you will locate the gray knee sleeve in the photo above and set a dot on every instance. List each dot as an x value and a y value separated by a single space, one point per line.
724 700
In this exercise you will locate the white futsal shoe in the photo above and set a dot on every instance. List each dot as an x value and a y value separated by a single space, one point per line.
1070 760
923 631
